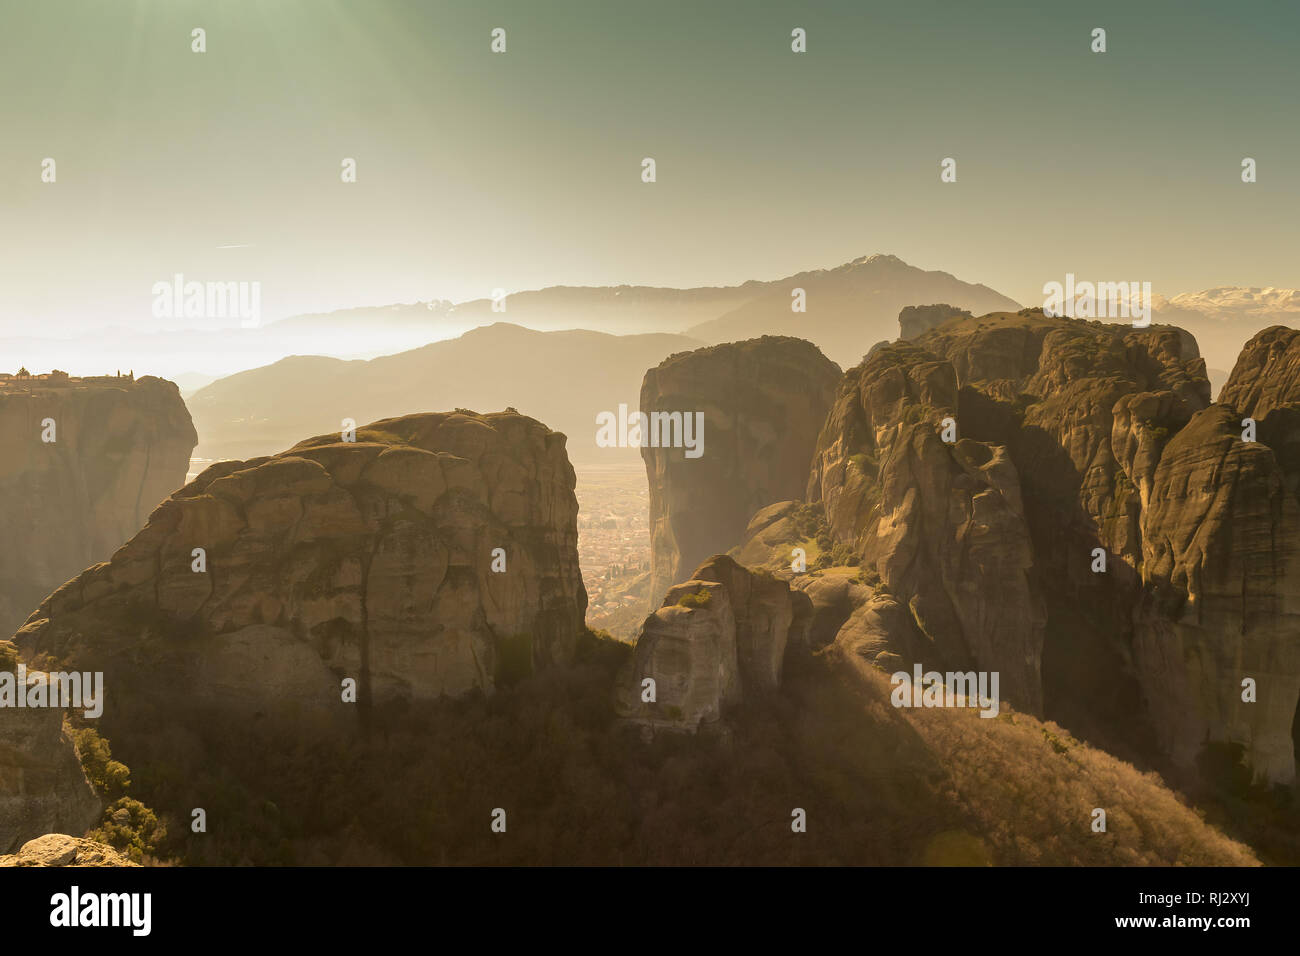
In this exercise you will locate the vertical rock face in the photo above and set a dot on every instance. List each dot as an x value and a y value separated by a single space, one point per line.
1095 481
718 635
42 786
1265 386
1221 564
1084 410
763 402
435 554
764 614
1229 559
1267 374
120 447
941 523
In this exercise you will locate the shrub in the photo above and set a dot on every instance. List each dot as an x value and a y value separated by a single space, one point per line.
109 777
700 598
130 826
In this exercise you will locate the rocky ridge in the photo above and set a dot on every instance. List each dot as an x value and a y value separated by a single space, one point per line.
1059 501
433 555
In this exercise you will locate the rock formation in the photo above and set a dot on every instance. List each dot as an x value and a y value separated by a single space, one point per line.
42 785
1094 505
434 554
119 447
60 849
1265 386
914 320
763 403
941 522
1221 566
1084 409
1222 559
1267 374
719 635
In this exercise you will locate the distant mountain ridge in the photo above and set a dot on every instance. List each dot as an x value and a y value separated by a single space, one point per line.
621 309
1234 301
847 304
565 378
849 307
1224 318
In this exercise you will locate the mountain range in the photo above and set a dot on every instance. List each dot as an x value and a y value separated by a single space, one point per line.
565 378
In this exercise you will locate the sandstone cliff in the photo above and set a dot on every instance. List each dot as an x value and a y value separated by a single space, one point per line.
1093 505
938 518
1267 374
1221 568
435 554
1265 385
718 635
120 446
42 785
763 402
1084 409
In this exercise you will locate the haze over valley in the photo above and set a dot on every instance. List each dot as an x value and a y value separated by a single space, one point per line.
596 434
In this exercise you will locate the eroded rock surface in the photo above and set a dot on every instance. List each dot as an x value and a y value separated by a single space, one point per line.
60 849
434 555
1095 505
1265 386
120 446
941 523
1084 410
1221 567
719 635
42 785
764 401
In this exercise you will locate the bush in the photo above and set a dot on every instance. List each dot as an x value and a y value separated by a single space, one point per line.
130 826
843 556
110 778
700 598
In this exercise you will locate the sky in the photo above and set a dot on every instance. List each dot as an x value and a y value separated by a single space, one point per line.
478 170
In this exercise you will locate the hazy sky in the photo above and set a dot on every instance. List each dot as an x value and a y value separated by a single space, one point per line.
521 170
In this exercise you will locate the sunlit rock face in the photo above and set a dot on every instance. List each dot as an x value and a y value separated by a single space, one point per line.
940 522
42 786
82 464
720 635
763 402
434 555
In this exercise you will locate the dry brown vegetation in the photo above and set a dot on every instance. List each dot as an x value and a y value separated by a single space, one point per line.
880 786
1030 789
